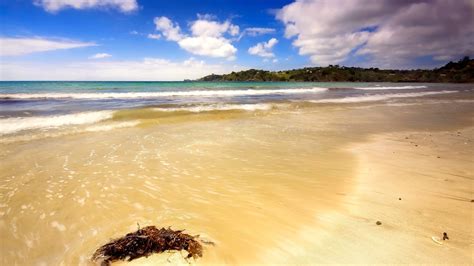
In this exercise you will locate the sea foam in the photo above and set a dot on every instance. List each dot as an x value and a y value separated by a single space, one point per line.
132 95
379 97
391 88
12 125
217 107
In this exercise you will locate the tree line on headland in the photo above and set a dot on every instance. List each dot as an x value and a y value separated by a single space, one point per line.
456 72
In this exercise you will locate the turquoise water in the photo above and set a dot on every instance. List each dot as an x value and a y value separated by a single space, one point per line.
145 86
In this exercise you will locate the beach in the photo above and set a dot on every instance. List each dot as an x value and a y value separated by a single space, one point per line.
270 173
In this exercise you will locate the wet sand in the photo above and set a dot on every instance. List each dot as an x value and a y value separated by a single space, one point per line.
304 185
417 185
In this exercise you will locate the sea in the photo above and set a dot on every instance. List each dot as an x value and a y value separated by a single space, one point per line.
50 105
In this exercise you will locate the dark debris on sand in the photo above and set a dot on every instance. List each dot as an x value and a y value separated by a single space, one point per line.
146 241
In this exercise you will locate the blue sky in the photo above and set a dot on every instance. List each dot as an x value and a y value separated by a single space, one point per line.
112 39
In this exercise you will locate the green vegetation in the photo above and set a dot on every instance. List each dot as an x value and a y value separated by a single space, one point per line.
459 72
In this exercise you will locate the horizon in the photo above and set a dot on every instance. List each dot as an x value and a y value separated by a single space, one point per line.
138 40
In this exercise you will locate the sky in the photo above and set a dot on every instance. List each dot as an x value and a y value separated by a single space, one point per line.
188 39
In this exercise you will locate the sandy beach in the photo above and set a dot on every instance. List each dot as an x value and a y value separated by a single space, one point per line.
397 184
296 183
418 185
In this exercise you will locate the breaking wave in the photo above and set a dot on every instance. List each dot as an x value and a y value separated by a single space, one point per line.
379 97
13 125
391 88
132 95
217 107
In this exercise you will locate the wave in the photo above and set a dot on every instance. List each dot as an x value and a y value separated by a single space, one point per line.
379 97
13 125
217 107
391 88
131 95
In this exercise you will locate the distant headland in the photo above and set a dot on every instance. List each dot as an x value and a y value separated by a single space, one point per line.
453 72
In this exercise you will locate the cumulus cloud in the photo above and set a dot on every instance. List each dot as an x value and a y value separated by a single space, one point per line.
209 28
100 56
145 69
263 49
207 36
208 46
23 46
170 30
389 33
54 6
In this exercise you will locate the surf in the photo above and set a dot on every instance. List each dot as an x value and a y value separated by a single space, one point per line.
133 95
379 97
17 124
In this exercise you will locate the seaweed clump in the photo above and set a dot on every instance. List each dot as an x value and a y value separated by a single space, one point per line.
146 241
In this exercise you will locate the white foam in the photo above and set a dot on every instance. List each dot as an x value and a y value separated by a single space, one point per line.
379 97
12 125
391 88
217 107
131 95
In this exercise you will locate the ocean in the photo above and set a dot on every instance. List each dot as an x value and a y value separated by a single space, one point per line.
27 106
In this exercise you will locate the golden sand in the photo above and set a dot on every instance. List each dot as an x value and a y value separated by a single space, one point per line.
296 186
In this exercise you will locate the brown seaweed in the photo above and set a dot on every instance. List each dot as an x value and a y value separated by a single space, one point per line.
146 241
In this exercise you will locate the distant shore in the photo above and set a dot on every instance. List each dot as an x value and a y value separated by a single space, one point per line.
458 72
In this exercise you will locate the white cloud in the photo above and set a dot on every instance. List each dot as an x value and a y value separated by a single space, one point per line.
100 56
208 46
263 49
56 5
234 30
146 69
170 30
258 31
204 27
23 46
390 33
154 36
207 36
